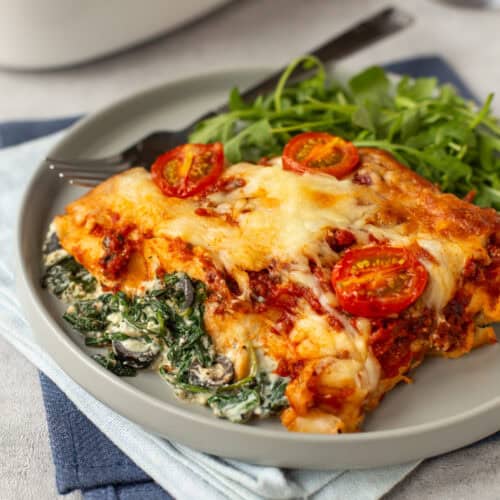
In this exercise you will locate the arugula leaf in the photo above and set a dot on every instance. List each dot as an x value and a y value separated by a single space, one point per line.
363 117
236 102
209 130
488 197
371 84
250 142
410 123
426 126
417 90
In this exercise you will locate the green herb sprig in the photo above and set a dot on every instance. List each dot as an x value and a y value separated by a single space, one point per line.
427 126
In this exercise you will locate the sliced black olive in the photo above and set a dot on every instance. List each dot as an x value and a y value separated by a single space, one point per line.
51 244
220 373
137 352
184 287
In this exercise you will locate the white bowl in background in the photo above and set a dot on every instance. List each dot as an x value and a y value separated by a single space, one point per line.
46 34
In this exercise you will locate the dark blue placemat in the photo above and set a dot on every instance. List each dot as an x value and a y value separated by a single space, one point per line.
15 132
84 458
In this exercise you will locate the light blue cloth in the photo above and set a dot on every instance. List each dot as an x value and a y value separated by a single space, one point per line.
183 472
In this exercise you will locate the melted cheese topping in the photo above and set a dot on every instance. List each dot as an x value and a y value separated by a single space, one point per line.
278 216
278 219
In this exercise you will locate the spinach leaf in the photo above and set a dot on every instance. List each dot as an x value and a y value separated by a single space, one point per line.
256 394
114 365
147 314
186 340
272 394
66 274
98 340
87 315
236 406
262 395
92 315
173 312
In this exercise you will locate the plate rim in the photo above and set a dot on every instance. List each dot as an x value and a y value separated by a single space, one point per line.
26 287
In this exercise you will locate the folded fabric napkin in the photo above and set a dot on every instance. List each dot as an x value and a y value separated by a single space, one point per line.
82 430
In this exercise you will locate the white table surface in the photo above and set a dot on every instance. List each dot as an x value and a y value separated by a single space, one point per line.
247 32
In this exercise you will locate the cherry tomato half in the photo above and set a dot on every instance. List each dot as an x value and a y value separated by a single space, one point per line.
188 169
377 281
320 152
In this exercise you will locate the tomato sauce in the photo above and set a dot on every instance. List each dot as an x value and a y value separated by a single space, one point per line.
391 340
118 248
451 334
269 291
339 239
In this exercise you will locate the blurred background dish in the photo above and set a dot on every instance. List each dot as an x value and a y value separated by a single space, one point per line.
59 33
474 4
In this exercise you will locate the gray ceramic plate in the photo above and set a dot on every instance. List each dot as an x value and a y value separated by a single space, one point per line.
452 402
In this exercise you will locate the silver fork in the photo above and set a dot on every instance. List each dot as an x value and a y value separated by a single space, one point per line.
89 172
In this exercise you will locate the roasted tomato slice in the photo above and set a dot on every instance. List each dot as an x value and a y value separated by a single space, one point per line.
377 281
320 152
189 169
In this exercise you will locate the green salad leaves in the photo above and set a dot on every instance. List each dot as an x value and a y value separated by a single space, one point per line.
425 125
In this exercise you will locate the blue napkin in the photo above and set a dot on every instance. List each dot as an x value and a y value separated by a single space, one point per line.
16 132
84 458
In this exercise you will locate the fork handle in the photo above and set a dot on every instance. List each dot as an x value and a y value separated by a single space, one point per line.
380 25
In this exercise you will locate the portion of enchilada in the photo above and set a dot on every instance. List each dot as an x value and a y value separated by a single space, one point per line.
305 286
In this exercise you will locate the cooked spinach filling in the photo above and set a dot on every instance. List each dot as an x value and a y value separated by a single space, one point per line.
66 278
263 395
163 328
